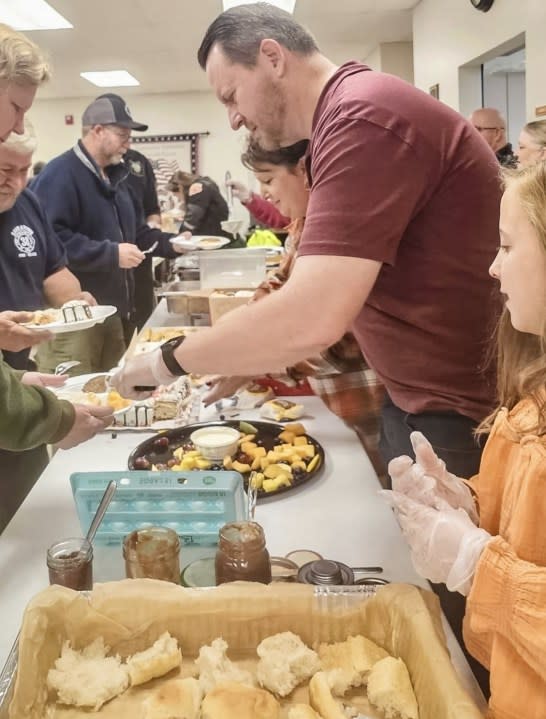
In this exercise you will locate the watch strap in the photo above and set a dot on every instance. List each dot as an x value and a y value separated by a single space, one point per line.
167 353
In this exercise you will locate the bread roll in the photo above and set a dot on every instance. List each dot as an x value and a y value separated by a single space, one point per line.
322 700
302 711
390 689
87 678
237 701
175 699
354 658
215 667
285 662
163 656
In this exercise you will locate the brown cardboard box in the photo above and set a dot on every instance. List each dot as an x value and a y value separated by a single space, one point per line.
131 614
223 301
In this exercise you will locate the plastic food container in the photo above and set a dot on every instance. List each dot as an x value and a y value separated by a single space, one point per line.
215 442
221 269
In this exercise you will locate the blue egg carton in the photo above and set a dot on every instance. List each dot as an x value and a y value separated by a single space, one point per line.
195 504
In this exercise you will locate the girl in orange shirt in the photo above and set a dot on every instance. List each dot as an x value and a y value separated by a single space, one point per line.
486 538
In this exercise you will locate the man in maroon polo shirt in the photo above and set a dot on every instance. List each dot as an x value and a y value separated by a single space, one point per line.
401 227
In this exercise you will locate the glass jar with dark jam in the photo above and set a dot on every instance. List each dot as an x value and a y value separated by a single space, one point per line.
242 554
70 563
153 553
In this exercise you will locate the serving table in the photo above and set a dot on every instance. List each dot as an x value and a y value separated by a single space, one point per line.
338 514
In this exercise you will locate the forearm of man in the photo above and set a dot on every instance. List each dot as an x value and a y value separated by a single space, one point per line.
312 310
61 287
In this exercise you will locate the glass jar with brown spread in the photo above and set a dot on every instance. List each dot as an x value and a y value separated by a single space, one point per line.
70 564
242 554
153 553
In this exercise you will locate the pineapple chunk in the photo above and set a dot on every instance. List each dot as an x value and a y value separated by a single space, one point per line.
257 480
287 437
247 447
300 440
228 462
282 480
240 467
295 427
202 463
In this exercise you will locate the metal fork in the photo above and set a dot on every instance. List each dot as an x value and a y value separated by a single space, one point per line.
252 494
150 249
63 367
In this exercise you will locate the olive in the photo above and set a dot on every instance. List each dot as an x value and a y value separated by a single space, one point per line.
244 458
161 442
142 463
171 462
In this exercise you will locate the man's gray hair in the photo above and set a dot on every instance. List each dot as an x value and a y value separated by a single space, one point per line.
24 144
240 30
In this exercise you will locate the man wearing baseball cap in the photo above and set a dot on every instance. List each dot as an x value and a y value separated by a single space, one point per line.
102 227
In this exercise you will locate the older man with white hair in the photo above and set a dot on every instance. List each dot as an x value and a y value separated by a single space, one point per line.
33 272
492 127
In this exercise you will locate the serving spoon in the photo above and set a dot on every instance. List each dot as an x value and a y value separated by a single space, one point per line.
101 510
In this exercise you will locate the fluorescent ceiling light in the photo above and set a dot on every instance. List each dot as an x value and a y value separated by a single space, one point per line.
287 5
31 15
110 78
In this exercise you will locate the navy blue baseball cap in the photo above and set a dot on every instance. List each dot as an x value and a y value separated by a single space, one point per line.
110 109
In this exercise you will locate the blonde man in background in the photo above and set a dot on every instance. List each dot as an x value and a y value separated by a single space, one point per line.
23 68
29 416
532 144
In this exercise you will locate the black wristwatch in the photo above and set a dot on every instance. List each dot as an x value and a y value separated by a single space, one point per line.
167 352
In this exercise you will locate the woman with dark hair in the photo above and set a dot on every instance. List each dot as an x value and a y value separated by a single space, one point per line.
340 377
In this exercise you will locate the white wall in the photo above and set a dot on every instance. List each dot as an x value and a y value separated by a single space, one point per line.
164 113
396 58
450 34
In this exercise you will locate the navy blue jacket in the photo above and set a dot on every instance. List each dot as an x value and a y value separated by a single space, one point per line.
91 218
30 252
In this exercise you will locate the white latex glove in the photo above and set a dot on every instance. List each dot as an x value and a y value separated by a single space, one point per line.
427 479
145 370
239 190
220 387
445 545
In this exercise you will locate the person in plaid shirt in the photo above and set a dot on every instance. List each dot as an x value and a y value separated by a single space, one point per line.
340 376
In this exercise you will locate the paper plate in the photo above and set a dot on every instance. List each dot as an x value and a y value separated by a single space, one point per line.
99 314
200 242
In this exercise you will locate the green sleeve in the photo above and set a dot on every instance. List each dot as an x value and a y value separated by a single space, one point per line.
30 416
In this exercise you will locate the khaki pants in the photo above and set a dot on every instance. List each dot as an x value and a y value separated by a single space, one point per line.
98 349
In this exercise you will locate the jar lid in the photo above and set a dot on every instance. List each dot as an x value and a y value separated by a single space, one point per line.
326 571
283 570
199 573
372 581
303 556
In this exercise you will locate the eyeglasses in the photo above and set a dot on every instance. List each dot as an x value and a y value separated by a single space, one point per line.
124 135
481 129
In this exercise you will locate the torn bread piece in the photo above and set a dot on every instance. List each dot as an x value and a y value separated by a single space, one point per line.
390 690
322 699
230 700
352 661
163 656
302 711
87 678
285 662
215 667
175 699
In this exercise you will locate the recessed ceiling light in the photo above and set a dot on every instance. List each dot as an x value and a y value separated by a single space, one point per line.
287 5
110 78
32 15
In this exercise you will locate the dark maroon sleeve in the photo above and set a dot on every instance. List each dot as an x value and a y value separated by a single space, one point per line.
367 184
265 212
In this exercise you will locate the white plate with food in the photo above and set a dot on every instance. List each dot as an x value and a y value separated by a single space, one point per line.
200 242
70 317
93 390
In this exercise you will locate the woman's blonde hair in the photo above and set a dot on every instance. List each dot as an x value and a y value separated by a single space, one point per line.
536 131
520 356
21 61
